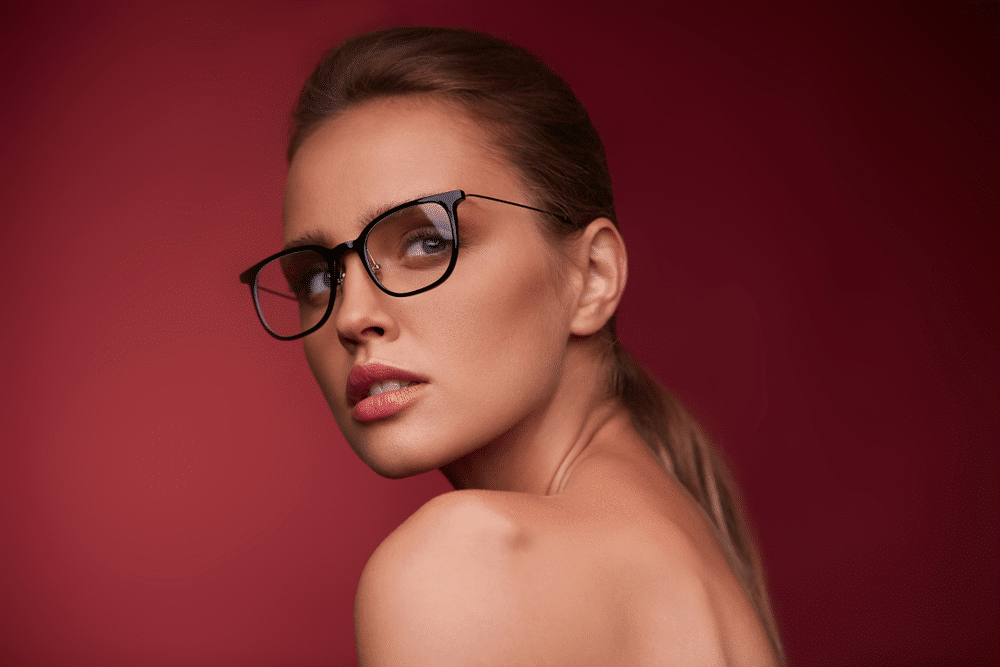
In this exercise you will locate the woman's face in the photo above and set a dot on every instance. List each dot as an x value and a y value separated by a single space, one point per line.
487 345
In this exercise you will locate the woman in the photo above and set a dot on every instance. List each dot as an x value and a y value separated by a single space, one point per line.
453 266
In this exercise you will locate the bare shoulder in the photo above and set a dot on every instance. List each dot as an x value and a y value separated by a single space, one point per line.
466 580
594 576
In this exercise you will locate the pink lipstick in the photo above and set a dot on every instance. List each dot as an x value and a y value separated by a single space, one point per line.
375 391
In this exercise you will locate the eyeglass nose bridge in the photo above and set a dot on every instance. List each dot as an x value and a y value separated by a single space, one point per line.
367 261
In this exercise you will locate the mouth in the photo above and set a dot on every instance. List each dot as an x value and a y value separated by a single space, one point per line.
375 379
388 385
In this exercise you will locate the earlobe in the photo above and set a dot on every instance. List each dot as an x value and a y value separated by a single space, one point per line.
605 268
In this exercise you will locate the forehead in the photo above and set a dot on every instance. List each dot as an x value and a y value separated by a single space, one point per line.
386 152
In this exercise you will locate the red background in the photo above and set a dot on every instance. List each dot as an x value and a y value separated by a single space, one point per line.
809 197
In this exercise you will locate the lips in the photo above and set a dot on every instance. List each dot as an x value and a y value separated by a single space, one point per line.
361 378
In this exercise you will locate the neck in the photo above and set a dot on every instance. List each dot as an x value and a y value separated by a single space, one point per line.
539 453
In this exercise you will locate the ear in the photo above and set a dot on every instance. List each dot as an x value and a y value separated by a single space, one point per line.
600 254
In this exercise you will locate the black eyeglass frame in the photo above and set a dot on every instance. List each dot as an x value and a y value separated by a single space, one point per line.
448 200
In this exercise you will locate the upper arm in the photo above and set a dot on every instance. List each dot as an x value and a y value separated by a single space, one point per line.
459 584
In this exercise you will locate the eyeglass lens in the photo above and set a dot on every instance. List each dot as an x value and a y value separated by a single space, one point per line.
407 250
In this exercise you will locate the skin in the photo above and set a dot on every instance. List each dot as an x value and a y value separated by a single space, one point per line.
565 542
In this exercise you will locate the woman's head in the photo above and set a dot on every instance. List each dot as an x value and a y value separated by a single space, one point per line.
407 112
489 344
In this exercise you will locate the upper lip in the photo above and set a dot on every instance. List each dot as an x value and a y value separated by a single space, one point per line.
362 377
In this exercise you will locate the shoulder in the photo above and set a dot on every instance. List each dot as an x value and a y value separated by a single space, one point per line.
469 579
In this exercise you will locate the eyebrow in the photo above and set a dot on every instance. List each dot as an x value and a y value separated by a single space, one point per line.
319 237
314 237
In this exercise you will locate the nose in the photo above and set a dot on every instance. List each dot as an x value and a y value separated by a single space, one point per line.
358 309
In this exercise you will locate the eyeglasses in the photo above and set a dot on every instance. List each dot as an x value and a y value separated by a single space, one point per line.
409 249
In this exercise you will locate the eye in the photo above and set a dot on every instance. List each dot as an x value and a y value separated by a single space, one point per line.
319 282
312 283
424 242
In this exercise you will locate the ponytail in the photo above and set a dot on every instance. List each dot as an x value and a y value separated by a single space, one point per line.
685 451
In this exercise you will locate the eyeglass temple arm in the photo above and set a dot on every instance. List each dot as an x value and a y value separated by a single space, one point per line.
530 208
271 291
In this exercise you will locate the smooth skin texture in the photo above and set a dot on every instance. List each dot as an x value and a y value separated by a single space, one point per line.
565 542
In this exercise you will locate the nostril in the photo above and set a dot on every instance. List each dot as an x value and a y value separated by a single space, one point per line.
349 339
367 332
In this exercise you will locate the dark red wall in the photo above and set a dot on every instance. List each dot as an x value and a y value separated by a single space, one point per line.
810 201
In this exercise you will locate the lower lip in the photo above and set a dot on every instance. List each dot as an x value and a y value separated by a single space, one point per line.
386 404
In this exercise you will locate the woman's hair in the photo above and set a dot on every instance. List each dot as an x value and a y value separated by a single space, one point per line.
539 126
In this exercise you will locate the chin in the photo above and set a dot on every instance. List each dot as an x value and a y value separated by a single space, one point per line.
392 460
397 472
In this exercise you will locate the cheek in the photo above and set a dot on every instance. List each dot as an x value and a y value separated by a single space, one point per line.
510 328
